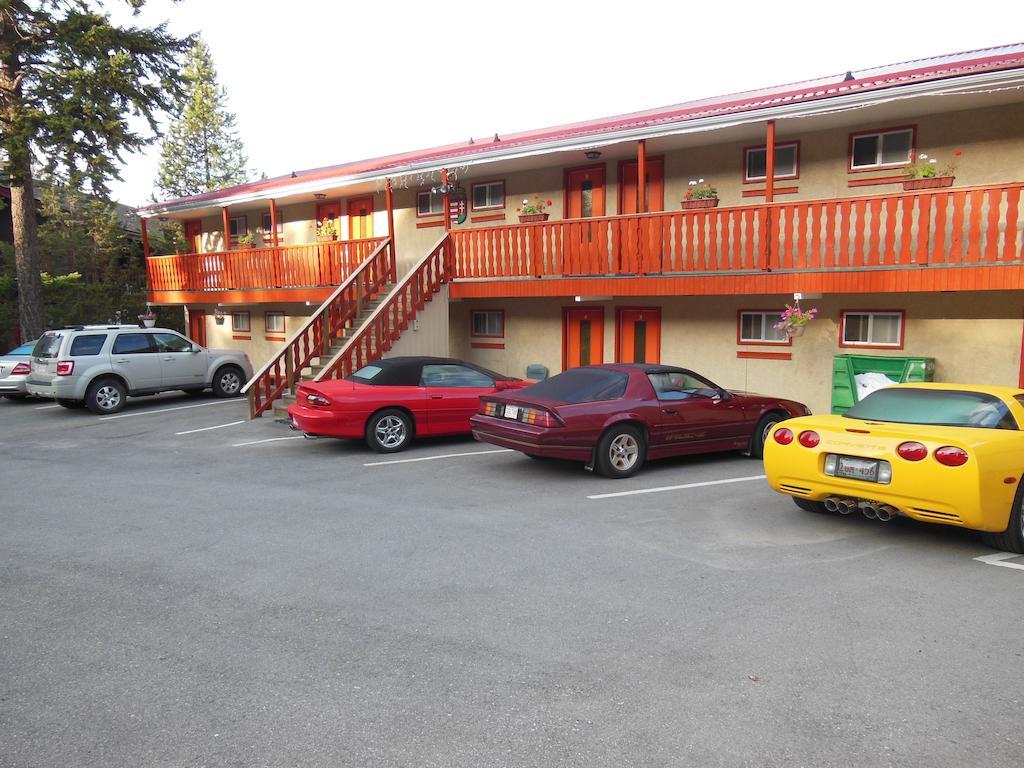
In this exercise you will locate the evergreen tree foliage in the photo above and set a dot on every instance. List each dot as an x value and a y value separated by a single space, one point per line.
202 151
69 80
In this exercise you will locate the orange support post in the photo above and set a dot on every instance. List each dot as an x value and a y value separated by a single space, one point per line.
273 221
227 228
769 162
145 238
641 176
389 199
447 201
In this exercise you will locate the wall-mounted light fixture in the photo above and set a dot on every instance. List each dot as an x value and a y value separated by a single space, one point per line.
592 154
319 195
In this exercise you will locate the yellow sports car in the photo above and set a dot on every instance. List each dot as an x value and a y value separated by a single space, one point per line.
938 453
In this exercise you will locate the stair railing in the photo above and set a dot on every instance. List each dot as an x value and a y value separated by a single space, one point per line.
313 339
382 328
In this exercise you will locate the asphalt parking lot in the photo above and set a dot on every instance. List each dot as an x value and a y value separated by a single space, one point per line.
181 587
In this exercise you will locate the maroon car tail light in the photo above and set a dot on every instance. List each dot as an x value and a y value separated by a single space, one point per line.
809 438
540 418
21 369
951 456
911 451
783 436
488 408
65 367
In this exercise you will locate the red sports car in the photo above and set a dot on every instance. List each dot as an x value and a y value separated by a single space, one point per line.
615 417
390 401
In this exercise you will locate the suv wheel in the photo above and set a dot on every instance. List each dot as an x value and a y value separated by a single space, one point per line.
228 381
105 396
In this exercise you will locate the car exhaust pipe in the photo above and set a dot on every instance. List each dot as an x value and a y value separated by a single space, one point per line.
846 506
832 504
870 511
886 513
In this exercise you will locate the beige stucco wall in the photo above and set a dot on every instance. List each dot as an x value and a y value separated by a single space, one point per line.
974 338
258 347
428 333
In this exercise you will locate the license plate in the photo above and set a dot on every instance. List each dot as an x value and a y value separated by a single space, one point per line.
857 469
511 411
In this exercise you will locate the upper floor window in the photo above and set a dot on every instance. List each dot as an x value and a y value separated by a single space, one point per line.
488 194
266 226
758 328
787 162
237 226
871 329
881 148
429 203
489 322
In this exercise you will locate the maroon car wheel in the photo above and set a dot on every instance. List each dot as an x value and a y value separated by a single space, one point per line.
620 452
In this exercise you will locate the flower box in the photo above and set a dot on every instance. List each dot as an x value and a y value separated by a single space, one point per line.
933 182
529 218
704 202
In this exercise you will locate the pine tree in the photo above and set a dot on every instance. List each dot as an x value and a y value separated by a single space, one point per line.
202 151
69 78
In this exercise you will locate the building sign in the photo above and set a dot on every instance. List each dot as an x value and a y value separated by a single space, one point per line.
458 206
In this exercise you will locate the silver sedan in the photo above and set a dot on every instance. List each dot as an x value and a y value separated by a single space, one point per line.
14 370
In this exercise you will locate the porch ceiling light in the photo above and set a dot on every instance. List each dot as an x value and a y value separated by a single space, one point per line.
319 195
592 154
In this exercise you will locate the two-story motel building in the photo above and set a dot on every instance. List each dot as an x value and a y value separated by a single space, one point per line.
811 199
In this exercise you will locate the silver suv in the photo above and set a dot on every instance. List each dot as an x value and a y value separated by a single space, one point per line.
98 366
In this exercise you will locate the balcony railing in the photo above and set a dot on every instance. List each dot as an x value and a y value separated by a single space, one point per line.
963 226
286 266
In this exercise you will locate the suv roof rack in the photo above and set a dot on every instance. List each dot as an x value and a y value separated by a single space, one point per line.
71 328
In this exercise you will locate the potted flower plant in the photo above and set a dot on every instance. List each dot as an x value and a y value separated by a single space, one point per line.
148 318
534 210
926 173
700 195
794 320
326 230
248 240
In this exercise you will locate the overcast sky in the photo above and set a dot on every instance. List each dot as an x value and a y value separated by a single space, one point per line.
318 82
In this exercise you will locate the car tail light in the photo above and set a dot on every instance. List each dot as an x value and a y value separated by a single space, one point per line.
809 439
951 456
21 369
911 451
783 436
540 417
65 367
315 398
488 408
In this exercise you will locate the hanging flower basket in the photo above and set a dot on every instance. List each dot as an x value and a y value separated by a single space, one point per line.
704 202
528 218
797 331
932 182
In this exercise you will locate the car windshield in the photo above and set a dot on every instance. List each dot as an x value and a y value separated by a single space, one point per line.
48 345
24 349
580 385
939 407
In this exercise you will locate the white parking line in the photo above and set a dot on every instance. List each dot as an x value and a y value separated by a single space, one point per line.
998 558
676 487
46 407
207 429
268 440
165 410
432 458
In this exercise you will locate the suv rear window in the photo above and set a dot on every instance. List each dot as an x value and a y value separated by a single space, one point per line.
88 345
48 345
132 344
936 407
580 385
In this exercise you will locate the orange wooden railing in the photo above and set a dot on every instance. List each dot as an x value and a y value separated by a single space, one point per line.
314 337
286 266
947 226
381 329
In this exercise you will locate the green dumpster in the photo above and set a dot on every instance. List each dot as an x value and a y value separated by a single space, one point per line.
846 367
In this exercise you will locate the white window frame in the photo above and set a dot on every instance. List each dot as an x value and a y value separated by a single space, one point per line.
763 148
235 327
233 227
265 225
488 185
878 152
768 319
491 314
871 315
433 196
266 322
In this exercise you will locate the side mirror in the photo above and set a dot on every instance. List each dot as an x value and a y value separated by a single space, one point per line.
196 349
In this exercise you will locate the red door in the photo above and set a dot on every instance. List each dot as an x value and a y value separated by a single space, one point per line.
329 212
194 236
584 192
360 218
639 336
582 337
654 170
197 326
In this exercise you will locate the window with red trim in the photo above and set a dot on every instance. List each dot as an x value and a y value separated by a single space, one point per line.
488 195
240 322
274 322
881 149
871 329
757 327
237 226
488 323
429 203
787 162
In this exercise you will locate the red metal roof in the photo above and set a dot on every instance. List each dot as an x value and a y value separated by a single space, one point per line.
876 79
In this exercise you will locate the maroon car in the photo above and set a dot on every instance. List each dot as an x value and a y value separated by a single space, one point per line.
615 417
